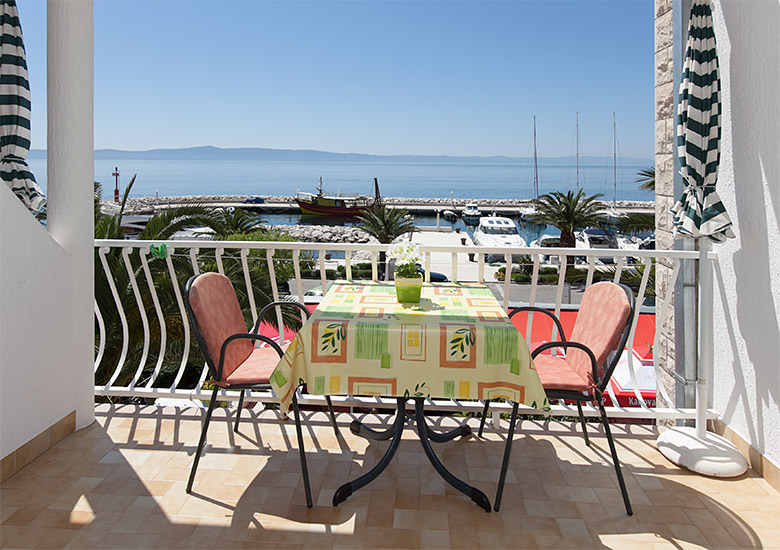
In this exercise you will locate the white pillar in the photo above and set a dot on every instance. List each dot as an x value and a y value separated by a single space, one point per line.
70 81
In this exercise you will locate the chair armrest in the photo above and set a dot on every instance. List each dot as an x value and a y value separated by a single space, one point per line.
546 312
583 347
267 307
241 336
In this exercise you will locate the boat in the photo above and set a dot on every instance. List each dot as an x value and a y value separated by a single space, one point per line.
449 215
471 214
339 205
593 237
498 232
547 241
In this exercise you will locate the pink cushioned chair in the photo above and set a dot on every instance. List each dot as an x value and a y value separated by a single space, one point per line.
599 336
232 358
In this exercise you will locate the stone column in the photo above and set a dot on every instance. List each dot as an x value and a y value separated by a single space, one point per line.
664 185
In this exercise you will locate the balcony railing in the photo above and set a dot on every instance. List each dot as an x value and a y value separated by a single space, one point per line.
139 292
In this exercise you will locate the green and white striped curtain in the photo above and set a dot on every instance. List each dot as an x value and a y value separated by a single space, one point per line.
15 111
700 212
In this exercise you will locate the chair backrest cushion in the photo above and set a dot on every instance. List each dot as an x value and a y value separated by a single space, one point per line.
215 307
603 315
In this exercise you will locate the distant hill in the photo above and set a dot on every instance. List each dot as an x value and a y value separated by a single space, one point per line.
259 153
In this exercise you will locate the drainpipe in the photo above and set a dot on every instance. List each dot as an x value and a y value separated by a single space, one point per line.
685 306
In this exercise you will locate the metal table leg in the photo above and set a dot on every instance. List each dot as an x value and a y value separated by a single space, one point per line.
344 492
475 494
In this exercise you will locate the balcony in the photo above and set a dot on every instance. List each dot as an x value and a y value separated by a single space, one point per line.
120 484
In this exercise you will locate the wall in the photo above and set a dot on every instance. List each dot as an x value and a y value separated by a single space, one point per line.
47 277
42 374
746 378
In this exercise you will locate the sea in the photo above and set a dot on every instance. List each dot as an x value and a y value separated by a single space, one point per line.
457 180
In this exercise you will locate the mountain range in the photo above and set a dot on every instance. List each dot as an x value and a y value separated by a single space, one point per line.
302 155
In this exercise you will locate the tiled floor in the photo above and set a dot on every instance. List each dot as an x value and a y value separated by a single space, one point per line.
120 484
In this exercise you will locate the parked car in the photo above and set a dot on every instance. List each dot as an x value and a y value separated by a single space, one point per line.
435 276
254 200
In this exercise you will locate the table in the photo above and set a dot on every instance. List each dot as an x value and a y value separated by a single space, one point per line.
456 343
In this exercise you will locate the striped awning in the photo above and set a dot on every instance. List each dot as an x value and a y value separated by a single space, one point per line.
700 212
15 111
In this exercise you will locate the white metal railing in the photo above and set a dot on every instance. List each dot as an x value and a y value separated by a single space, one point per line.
136 292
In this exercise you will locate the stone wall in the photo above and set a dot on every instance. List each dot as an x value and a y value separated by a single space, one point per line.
664 182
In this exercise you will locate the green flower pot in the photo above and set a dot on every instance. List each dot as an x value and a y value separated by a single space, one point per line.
408 289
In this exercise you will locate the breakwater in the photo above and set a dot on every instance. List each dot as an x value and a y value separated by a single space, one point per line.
286 204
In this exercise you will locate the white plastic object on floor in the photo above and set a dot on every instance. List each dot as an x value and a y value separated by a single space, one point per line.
712 456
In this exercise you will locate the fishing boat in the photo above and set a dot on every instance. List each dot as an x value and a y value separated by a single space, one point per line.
339 205
471 214
498 232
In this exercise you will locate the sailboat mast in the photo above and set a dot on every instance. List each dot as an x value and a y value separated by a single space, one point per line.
578 150
536 167
614 161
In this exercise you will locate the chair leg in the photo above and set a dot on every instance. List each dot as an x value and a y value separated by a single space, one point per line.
238 412
304 467
332 415
505 463
202 442
615 460
584 425
484 417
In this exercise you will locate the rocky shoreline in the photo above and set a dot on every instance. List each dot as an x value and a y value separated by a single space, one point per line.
146 205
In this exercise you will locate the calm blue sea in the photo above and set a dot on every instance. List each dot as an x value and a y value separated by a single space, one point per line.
416 180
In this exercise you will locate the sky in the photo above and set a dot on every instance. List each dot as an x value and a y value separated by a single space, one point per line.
380 77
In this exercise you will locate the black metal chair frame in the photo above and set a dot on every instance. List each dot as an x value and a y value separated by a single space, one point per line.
215 372
579 398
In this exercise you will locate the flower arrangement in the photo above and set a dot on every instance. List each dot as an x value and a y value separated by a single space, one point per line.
406 255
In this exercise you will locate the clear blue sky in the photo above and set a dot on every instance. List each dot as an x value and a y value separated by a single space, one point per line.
402 77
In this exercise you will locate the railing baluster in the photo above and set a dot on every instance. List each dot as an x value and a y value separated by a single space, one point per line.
507 280
374 262
141 313
348 265
632 333
218 252
194 260
323 274
269 255
532 298
297 269
427 267
591 270
559 295
160 317
454 267
102 341
184 319
480 268
660 325
248 283
125 330
619 269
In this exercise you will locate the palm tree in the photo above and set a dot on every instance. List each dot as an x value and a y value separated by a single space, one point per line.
569 213
646 178
638 222
385 225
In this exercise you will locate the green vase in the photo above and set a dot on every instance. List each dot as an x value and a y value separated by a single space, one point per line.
408 290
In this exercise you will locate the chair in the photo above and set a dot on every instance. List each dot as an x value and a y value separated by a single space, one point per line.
597 342
232 359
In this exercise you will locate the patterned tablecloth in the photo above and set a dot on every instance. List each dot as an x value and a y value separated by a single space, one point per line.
457 342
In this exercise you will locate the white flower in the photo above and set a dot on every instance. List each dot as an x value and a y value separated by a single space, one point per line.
405 253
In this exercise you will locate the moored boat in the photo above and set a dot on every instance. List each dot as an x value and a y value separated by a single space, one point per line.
339 205
471 214
498 232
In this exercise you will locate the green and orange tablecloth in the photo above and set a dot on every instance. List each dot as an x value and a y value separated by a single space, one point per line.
456 343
